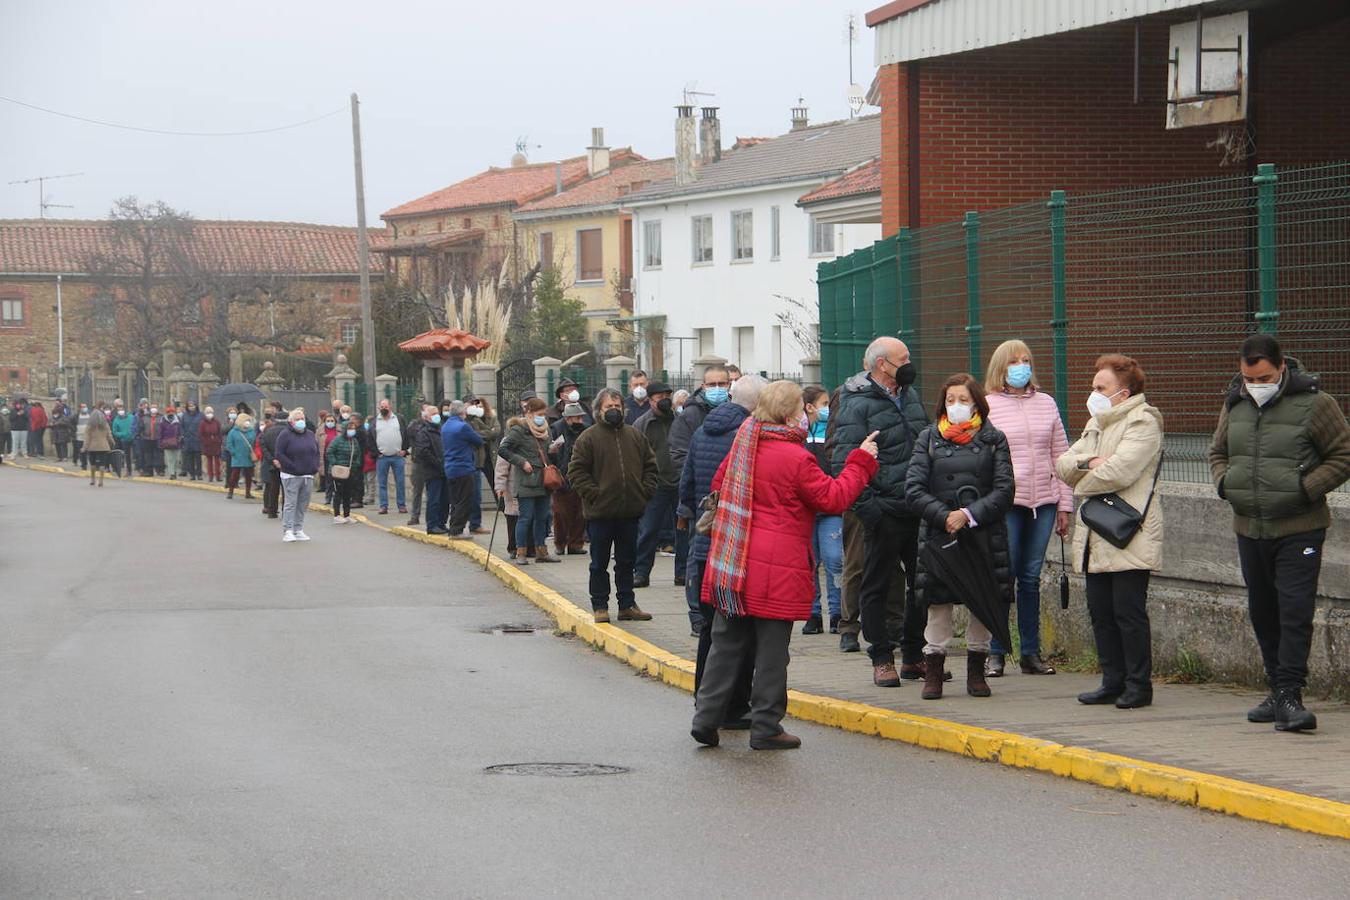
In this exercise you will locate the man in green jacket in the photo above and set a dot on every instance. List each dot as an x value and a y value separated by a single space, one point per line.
613 470
1280 446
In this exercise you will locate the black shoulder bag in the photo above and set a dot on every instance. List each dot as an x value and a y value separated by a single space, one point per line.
1114 520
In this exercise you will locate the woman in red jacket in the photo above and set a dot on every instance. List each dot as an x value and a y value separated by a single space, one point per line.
760 571
212 438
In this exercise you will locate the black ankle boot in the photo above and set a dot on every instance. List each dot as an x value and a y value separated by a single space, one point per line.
813 626
1264 712
1290 714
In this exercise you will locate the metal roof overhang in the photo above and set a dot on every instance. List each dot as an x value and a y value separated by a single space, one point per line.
907 30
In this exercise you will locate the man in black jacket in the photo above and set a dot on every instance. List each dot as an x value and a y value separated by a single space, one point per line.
881 398
428 470
274 423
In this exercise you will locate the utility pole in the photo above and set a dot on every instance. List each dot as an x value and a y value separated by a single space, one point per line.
60 337
363 252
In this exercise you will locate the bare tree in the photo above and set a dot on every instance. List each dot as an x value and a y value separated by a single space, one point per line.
800 319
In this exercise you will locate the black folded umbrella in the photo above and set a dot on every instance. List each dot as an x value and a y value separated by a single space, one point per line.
234 394
964 563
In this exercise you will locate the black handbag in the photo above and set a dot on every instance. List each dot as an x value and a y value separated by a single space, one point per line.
1114 520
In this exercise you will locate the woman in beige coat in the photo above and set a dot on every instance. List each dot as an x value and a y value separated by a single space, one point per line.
1118 453
98 444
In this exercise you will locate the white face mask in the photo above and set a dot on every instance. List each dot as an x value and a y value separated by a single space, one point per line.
1263 393
573 396
1099 403
475 411
958 413
639 393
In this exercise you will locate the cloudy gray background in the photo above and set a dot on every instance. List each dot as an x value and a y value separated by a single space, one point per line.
446 88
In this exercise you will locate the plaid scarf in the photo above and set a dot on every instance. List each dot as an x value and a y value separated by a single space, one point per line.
731 529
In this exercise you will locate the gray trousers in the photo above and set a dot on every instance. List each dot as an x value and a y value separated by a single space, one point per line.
732 640
296 490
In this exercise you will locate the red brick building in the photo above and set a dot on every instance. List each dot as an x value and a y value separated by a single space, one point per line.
988 103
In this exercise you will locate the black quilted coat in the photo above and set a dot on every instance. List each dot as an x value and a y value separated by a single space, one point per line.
978 476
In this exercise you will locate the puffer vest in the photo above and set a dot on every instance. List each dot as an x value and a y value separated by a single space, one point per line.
1269 450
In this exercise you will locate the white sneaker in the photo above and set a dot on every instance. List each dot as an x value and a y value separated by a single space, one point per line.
301 536
349 520
338 520
287 537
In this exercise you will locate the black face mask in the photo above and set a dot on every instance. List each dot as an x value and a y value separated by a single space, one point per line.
904 375
663 406
613 417
578 428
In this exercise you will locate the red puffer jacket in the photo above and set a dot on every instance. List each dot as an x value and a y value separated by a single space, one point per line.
790 489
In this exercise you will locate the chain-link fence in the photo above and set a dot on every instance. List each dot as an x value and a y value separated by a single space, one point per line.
1174 275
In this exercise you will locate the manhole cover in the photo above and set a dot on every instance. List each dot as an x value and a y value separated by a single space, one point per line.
509 628
556 770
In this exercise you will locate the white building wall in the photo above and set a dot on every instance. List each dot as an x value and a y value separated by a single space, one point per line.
738 300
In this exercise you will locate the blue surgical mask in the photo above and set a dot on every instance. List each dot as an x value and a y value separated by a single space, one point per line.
716 396
351 432
299 426
823 414
1019 375
436 419
539 420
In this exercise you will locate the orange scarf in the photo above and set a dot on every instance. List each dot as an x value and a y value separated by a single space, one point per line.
960 434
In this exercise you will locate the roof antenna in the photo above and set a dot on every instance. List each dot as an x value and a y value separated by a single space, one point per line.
41 180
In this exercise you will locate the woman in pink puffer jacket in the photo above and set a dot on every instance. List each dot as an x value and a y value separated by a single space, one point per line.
1030 420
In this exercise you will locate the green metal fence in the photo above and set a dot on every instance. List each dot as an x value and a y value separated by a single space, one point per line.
1174 275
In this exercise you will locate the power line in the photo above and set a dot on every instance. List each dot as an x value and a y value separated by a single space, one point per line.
105 124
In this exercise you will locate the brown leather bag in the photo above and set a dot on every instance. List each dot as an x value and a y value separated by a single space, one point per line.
553 479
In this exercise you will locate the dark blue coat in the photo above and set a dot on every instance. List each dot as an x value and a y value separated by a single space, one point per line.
708 447
192 423
459 443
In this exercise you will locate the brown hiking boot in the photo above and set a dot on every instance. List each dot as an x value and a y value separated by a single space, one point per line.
634 614
601 616
976 686
932 675
884 675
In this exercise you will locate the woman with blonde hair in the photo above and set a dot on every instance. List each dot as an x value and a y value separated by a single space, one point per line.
239 448
760 570
1029 419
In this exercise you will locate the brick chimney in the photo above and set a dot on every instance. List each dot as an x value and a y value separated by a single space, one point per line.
686 146
597 154
799 119
709 136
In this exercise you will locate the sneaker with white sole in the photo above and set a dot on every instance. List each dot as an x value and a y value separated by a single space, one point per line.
348 520
338 520
301 536
287 537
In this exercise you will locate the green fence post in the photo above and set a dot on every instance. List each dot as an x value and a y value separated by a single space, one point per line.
829 322
862 301
551 386
1264 180
904 254
848 322
1059 323
973 326
884 288
459 383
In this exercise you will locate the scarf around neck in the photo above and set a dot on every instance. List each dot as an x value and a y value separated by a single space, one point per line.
960 434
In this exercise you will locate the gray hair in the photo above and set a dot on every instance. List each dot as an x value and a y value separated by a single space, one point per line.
456 407
746 389
877 349
600 399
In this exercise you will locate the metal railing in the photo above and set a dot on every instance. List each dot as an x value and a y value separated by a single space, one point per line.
1174 275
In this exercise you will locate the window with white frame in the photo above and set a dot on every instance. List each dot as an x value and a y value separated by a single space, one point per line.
651 245
775 232
103 310
743 235
822 238
351 330
702 239
11 312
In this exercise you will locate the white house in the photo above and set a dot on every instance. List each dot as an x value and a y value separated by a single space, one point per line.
723 250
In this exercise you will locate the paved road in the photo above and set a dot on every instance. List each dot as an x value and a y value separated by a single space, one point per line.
189 707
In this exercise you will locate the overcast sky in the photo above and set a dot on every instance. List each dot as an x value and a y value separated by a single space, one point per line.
446 88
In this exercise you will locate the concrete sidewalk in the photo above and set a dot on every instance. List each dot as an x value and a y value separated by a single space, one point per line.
1199 727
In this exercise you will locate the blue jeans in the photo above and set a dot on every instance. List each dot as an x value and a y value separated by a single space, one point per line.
827 543
693 589
438 505
382 467
660 510
532 523
1028 535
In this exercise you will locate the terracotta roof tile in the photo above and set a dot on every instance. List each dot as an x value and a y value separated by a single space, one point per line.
386 244
442 340
512 186
608 188
866 179
291 248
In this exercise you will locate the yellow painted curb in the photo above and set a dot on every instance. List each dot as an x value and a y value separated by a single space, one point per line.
1213 792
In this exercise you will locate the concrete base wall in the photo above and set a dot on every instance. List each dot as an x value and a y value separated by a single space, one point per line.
1198 602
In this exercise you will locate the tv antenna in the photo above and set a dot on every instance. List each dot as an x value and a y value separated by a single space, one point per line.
692 93
856 95
42 180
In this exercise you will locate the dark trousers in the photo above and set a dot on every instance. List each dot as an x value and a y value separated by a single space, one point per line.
128 456
438 501
232 480
618 536
733 640
149 458
475 498
510 533
192 463
81 455
890 554
212 468
1281 576
1118 605
35 437
460 491
271 492
739 705
344 492
62 450
660 510
569 525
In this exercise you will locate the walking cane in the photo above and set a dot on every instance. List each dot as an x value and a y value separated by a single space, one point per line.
495 516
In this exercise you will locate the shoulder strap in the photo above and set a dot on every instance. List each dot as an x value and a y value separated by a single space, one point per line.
1152 490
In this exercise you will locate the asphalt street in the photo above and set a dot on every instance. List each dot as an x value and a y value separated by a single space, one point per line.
191 708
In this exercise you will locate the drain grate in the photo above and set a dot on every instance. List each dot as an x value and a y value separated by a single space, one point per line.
556 770
509 628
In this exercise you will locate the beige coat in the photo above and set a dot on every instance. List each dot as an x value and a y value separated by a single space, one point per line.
1129 438
98 435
